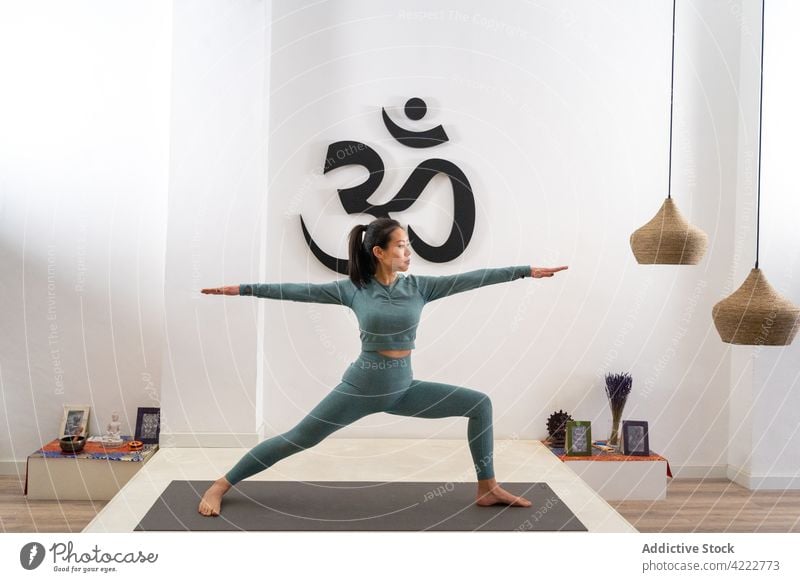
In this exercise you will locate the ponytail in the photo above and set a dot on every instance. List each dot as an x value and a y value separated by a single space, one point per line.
359 266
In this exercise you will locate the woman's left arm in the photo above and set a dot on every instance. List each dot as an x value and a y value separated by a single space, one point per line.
433 288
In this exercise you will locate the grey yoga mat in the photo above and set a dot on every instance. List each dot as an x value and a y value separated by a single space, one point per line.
357 506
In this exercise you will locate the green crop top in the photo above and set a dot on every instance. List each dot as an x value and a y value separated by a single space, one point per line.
387 314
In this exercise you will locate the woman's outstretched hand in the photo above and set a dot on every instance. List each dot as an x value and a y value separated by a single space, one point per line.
539 272
227 290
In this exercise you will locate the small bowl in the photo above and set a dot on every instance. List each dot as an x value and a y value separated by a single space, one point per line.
72 446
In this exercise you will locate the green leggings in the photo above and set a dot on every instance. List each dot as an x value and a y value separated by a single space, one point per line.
378 383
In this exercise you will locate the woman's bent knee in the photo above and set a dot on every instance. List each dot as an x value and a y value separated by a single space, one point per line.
484 407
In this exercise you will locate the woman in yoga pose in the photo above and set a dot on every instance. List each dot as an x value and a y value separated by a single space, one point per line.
387 306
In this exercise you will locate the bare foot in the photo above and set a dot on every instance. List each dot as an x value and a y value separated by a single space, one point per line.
499 496
211 502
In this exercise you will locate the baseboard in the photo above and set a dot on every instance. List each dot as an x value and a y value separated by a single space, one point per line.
699 471
212 440
753 482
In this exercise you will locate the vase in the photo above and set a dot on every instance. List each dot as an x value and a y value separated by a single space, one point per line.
613 439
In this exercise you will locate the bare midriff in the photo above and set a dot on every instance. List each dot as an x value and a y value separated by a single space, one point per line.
395 353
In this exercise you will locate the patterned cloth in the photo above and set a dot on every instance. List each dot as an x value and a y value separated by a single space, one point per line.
95 450
598 455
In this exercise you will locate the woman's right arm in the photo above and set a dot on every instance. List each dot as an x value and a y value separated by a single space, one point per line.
336 292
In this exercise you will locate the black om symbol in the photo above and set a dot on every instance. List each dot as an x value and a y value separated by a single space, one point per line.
354 200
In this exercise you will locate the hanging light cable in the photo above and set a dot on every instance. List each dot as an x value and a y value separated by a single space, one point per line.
756 314
669 239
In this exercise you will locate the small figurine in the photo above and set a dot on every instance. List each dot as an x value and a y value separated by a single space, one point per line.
112 435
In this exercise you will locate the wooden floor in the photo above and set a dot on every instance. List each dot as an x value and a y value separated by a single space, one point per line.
692 505
18 515
714 506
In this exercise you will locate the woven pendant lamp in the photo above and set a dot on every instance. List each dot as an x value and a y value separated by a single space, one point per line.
669 239
756 314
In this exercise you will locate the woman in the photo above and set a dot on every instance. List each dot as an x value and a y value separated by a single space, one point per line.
388 307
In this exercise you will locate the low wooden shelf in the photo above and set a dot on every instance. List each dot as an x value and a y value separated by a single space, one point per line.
96 473
618 477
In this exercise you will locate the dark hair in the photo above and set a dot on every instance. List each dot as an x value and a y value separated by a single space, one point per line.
361 261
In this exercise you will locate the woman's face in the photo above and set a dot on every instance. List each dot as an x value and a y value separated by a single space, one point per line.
397 254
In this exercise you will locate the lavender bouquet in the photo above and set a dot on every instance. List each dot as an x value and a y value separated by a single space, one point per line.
618 386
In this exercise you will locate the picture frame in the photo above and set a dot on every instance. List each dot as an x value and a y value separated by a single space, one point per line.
148 425
579 438
75 420
635 438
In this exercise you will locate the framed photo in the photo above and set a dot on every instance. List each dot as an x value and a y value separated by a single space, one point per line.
635 438
148 425
579 438
75 420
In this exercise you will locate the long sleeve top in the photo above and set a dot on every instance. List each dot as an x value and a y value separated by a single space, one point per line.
387 315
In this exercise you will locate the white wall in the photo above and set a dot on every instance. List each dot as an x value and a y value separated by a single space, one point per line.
211 388
84 113
559 117
764 439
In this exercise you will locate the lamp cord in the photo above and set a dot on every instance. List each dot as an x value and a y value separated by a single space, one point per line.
671 98
760 117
